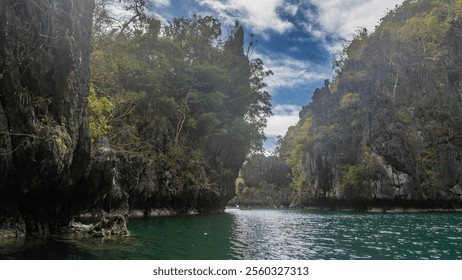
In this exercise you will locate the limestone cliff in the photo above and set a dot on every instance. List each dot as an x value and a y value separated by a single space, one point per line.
44 135
388 131
182 122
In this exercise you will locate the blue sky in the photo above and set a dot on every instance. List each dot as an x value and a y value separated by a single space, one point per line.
297 40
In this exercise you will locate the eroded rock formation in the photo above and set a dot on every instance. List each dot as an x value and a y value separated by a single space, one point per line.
387 131
44 135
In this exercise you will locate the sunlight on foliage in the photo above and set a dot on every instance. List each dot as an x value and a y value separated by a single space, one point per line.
100 109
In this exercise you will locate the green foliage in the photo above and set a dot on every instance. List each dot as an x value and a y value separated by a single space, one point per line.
403 117
185 99
294 147
355 182
100 109
357 45
352 50
424 32
349 100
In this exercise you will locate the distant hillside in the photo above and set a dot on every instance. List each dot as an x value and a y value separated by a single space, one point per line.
388 130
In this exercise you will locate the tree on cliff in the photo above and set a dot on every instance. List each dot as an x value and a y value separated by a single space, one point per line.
188 107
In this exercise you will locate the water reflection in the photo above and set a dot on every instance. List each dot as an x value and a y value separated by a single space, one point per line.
263 234
186 237
44 249
299 234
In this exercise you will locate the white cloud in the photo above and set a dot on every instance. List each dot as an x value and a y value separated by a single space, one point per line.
338 19
315 32
118 11
286 110
341 18
160 3
291 9
290 72
285 115
259 15
294 49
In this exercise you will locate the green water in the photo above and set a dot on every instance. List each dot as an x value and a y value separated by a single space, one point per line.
264 234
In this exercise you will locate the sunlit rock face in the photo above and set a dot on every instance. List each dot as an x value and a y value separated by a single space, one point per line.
44 135
388 128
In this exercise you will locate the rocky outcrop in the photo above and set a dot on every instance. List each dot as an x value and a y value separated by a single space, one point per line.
101 186
44 135
388 130
12 225
108 226
113 225
148 186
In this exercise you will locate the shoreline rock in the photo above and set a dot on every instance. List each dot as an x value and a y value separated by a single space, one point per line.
11 227
114 225
109 225
382 205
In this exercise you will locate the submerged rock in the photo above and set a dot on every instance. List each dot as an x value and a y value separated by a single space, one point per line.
113 225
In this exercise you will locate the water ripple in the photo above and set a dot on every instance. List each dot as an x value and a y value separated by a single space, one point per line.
265 234
298 234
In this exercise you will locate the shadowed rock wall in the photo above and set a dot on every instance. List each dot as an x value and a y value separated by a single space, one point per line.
44 135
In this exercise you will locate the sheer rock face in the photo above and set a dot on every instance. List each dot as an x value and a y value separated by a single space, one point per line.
390 130
44 135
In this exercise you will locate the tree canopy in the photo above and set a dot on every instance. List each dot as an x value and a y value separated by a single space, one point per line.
181 97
